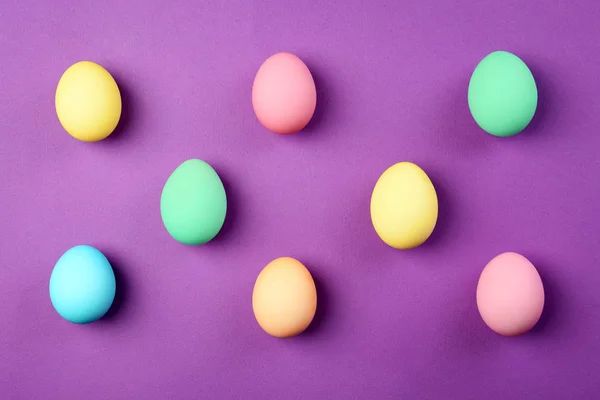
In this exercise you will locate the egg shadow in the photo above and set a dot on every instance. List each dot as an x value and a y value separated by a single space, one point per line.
444 226
234 202
128 113
548 97
544 105
122 293
323 308
551 315
547 107
324 101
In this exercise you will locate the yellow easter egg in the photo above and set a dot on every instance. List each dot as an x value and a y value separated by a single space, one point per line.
88 102
404 206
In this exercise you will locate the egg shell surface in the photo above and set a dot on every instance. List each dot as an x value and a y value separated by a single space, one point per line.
510 294
404 206
284 299
82 285
502 94
193 203
284 95
88 102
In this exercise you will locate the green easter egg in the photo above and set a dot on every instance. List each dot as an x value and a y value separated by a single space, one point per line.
502 94
193 203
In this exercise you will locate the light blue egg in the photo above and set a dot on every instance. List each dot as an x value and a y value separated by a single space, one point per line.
82 285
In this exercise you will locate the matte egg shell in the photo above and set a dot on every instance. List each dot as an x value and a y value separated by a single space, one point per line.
284 96
502 95
82 285
284 299
404 206
510 294
193 203
88 102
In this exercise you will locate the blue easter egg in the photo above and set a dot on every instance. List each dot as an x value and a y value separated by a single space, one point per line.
82 285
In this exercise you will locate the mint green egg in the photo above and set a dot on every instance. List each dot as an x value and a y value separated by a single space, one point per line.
193 203
503 95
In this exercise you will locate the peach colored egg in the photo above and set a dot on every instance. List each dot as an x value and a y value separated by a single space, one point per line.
284 299
284 96
510 294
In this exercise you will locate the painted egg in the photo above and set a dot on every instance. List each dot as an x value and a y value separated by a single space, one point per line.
510 294
284 96
88 102
193 203
502 95
284 299
404 206
82 285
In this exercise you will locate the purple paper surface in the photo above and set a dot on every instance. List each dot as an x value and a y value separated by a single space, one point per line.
392 82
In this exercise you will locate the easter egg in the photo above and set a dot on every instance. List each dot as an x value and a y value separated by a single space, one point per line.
82 285
502 95
284 299
404 206
284 96
193 203
510 294
88 102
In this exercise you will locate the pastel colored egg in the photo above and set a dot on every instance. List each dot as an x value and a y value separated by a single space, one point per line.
404 206
510 294
193 203
502 95
82 285
88 102
284 299
284 96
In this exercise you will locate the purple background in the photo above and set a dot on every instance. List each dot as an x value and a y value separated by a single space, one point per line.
392 82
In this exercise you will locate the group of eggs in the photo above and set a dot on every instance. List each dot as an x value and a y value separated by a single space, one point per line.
502 97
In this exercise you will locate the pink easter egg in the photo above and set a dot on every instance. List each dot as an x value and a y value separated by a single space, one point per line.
284 96
510 294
